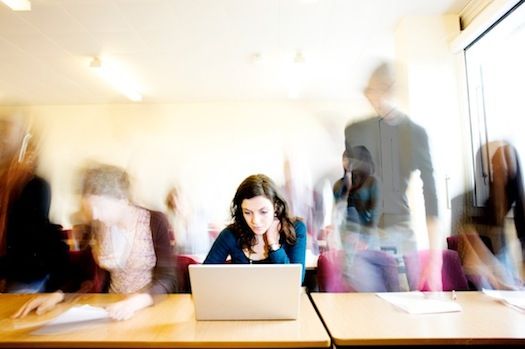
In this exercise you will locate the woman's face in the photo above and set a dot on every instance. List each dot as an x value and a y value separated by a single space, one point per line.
105 209
258 212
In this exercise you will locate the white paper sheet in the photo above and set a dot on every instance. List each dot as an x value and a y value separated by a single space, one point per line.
420 303
514 299
75 316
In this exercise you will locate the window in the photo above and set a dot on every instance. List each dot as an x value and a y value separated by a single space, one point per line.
495 65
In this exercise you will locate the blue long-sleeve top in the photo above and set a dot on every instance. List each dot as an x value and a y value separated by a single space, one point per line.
227 244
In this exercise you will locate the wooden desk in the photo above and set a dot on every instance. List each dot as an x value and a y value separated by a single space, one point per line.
366 319
170 323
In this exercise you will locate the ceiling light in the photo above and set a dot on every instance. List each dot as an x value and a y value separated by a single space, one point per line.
95 63
299 57
255 58
296 75
117 79
18 5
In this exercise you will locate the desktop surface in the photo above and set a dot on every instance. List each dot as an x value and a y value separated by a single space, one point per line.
366 319
170 323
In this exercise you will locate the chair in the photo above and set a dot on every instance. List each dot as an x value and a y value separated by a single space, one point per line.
330 272
371 271
452 275
453 242
86 275
183 278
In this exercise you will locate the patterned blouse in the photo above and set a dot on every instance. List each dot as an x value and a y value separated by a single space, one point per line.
128 255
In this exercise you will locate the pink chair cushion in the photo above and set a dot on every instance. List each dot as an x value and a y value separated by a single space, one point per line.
373 271
452 275
330 272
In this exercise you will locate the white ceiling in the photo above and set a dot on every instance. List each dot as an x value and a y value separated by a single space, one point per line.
197 50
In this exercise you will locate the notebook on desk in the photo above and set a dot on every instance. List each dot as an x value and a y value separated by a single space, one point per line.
246 292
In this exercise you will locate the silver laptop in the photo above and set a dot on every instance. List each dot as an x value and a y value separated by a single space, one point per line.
246 292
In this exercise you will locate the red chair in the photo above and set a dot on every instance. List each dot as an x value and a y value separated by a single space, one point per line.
183 277
330 272
371 271
452 275
452 242
85 275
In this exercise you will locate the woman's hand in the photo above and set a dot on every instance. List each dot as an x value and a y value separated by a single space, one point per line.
41 304
348 179
125 309
273 233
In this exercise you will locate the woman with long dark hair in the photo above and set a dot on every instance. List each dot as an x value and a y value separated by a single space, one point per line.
263 231
359 187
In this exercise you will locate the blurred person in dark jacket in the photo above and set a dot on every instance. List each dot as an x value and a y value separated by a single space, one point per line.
33 255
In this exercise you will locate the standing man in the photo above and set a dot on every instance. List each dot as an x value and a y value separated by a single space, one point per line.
398 147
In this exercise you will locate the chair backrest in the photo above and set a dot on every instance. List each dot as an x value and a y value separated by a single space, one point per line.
452 242
85 275
382 271
371 271
183 277
452 275
330 277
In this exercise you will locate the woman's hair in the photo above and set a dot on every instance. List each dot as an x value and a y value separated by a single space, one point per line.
260 185
362 164
506 187
106 180
362 159
18 159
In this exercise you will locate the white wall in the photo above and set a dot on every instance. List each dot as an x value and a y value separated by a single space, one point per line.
206 148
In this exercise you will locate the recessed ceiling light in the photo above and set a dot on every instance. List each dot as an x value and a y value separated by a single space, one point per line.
255 57
299 57
18 5
116 78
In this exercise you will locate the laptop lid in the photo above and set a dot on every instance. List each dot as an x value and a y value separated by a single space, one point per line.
245 291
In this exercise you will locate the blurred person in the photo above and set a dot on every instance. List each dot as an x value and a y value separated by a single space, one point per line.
357 194
489 262
324 216
33 255
299 193
130 243
175 212
506 194
483 269
399 147
191 231
359 188
365 268
262 231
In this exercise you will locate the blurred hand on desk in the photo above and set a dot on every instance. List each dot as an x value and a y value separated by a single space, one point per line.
121 310
41 304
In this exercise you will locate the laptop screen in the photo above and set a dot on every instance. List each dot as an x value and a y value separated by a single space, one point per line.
246 291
